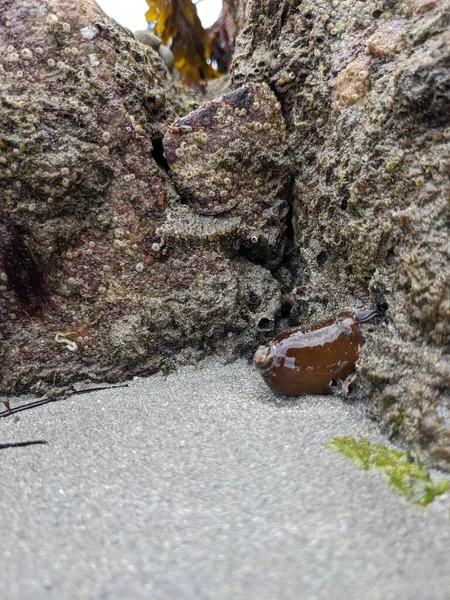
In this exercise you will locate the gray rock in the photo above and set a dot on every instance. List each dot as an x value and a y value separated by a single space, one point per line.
166 54
147 38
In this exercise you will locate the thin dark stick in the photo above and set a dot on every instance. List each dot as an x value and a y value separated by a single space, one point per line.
36 403
16 409
22 444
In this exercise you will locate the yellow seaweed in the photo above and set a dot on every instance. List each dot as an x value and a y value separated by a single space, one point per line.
176 21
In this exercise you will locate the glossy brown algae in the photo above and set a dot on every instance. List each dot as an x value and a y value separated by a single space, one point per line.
305 361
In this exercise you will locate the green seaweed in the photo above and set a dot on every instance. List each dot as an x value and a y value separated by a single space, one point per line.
402 470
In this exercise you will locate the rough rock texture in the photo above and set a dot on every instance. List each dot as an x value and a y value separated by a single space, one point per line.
228 160
109 267
98 278
365 90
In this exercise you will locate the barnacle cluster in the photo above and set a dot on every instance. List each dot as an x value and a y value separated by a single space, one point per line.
228 160
223 154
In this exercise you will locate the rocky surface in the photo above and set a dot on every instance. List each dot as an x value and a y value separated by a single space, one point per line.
365 90
228 160
320 183
104 272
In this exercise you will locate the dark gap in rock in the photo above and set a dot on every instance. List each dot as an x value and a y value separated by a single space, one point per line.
382 308
265 324
287 265
325 301
322 258
158 154
253 254
138 57
284 15
21 266
345 198
119 150
253 301
288 272
379 293
286 307
390 256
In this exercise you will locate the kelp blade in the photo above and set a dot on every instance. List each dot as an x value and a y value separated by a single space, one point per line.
177 20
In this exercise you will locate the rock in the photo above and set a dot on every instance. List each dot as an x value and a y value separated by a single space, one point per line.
95 283
148 38
367 114
153 41
141 259
228 160
166 54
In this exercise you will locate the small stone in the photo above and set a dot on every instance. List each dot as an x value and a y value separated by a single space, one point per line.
167 56
147 38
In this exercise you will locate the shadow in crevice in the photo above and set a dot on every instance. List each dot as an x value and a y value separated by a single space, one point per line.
158 154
